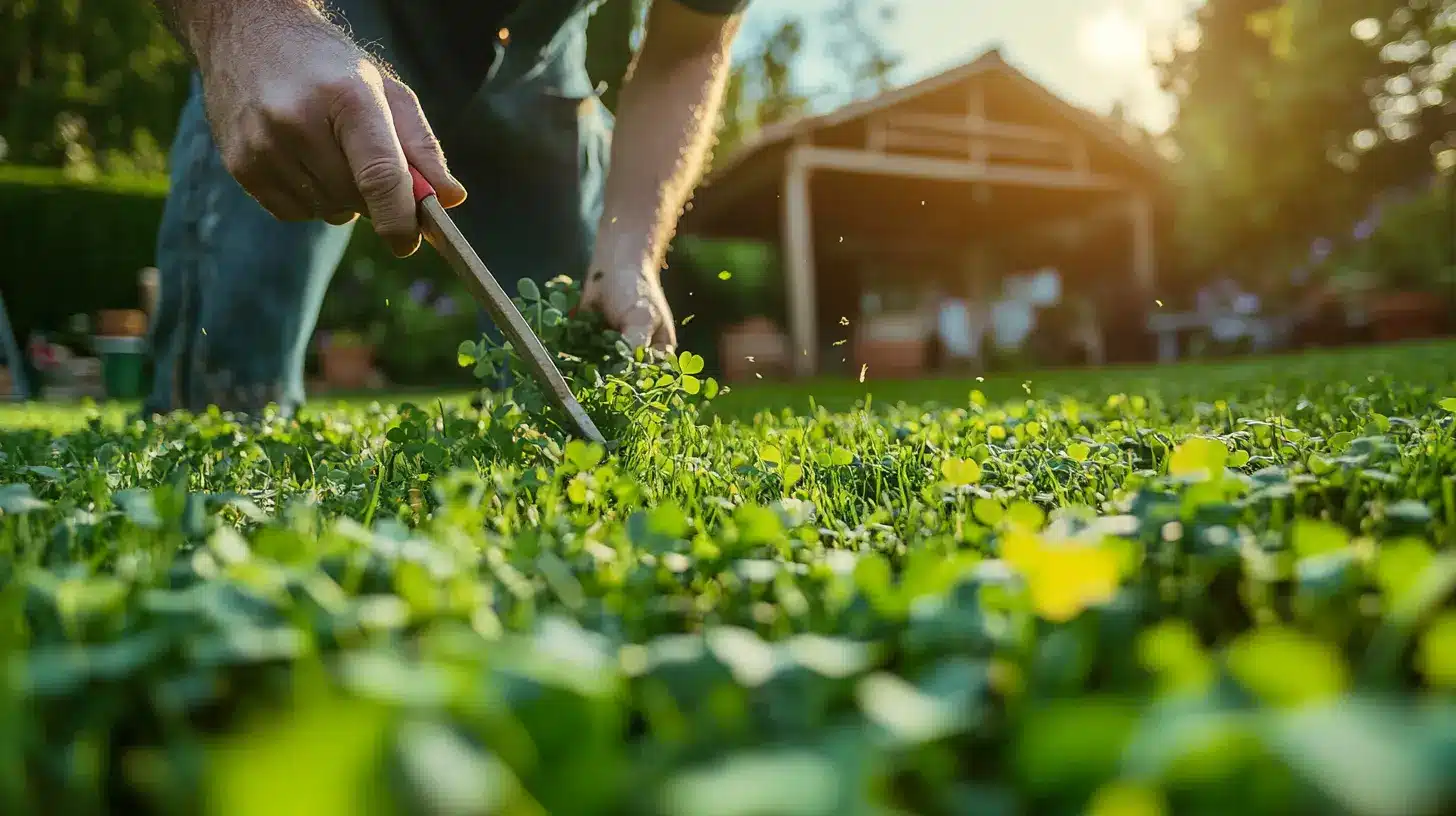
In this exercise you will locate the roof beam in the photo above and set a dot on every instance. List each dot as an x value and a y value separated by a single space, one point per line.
725 191
859 161
976 127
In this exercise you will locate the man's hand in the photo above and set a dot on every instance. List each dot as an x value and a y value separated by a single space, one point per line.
632 302
665 119
306 121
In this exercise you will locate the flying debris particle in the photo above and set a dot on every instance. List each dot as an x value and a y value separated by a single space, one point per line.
750 359
688 319
840 342
844 321
386 301
863 369
724 275
922 202
1026 386
1160 303
204 332
980 379
841 239
758 375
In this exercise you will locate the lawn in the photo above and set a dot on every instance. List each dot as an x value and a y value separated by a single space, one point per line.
1207 380
1200 589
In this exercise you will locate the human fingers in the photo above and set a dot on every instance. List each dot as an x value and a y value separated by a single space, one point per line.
251 157
421 148
364 128
664 338
335 198
591 293
637 325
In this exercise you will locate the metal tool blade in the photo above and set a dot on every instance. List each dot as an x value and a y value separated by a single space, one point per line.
446 238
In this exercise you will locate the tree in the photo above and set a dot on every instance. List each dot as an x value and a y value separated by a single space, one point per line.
1275 127
762 89
1411 99
88 84
861 56
767 85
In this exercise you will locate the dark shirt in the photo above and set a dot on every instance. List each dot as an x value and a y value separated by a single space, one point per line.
474 25
451 44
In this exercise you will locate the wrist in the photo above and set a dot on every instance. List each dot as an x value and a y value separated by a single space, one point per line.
623 250
214 31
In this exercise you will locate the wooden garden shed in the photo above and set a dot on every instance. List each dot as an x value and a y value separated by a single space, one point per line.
954 182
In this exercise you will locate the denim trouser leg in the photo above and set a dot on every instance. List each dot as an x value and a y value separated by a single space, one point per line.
240 290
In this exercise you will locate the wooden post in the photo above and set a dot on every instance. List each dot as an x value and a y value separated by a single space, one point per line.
798 261
976 268
1081 159
980 149
1144 267
976 121
879 135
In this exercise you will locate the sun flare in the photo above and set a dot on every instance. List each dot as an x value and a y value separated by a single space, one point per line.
1113 39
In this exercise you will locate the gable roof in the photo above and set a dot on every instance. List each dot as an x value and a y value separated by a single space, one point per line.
988 63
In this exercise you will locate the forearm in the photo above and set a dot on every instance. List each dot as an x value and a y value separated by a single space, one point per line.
198 23
665 124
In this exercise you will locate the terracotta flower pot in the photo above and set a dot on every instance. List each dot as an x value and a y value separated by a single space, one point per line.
755 346
892 346
1407 316
891 359
121 323
347 367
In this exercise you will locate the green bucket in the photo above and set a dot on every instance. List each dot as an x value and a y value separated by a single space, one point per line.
123 366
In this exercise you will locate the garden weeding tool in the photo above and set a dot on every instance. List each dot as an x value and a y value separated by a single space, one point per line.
446 238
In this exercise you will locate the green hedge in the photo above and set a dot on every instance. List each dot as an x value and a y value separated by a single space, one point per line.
76 247
73 246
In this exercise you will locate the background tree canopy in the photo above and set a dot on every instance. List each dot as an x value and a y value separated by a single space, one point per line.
95 85
1294 116
88 84
90 90
1299 121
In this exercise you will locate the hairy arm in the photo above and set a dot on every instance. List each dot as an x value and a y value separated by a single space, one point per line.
307 122
197 24
665 121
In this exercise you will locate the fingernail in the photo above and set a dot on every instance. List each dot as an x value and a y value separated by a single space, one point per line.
403 250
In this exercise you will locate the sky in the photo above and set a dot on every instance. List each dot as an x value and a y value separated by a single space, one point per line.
1091 52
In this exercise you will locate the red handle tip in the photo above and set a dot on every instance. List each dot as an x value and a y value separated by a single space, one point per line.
423 188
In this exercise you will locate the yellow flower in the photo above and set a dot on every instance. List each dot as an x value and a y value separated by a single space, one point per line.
1064 578
1022 550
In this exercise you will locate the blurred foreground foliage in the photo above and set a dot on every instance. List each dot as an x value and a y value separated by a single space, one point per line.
1146 603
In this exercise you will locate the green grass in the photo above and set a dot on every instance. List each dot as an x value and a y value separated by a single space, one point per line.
1199 589
1210 380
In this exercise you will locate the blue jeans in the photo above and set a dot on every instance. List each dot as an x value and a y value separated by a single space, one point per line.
241 291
